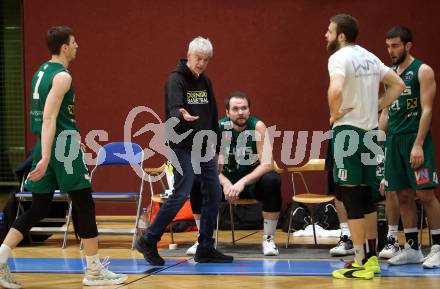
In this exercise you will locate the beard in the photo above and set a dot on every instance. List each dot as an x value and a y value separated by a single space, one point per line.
240 124
333 46
401 58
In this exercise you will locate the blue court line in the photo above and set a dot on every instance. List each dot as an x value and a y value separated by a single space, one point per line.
238 267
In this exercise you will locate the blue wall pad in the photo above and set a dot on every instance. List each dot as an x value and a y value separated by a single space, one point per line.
238 267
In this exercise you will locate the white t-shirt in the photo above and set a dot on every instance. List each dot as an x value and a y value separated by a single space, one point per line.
363 73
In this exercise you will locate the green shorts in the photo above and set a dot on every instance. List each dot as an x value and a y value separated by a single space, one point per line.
398 172
354 161
67 170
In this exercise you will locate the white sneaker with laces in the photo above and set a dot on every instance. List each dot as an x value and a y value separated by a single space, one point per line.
269 246
6 279
343 248
407 256
192 250
433 258
390 249
98 274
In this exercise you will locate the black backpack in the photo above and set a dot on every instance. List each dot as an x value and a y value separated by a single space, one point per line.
300 218
326 216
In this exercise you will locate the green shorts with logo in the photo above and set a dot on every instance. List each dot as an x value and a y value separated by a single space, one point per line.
354 161
398 172
66 171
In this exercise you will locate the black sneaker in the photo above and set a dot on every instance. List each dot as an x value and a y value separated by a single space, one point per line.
211 255
150 253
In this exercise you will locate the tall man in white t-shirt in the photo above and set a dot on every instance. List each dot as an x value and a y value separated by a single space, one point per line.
355 77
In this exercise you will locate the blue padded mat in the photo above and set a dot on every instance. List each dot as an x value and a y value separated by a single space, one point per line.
189 267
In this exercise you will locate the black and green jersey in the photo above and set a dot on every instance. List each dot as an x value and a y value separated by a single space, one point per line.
41 85
241 152
404 114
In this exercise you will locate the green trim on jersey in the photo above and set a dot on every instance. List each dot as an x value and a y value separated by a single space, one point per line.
241 152
405 112
41 86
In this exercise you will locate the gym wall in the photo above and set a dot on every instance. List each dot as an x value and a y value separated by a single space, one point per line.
273 50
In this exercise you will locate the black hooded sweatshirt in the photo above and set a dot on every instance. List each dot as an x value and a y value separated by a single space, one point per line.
195 94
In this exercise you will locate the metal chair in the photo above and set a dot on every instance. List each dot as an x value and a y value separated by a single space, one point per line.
233 204
313 165
121 154
238 202
24 196
158 197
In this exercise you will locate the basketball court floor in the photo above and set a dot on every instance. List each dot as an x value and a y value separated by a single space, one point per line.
302 265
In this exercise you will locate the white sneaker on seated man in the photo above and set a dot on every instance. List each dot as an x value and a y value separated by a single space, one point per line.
269 246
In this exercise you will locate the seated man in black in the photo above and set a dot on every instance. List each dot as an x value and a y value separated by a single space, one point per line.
248 170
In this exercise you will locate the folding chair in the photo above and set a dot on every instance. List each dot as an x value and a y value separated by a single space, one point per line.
160 198
313 165
233 204
24 196
121 154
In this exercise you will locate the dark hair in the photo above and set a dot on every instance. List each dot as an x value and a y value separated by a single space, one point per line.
237 94
404 33
346 24
57 36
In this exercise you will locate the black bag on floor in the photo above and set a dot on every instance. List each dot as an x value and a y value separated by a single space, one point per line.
300 219
246 217
326 216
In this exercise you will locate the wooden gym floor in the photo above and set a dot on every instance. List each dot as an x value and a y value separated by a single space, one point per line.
117 247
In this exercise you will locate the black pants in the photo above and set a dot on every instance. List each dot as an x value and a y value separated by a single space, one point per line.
182 187
267 191
83 213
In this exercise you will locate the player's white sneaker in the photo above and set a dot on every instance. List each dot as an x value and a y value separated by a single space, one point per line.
192 250
407 256
433 258
269 246
390 249
343 248
98 275
6 279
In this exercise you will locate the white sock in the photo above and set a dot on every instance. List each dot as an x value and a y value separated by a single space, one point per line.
5 252
198 224
392 231
270 226
92 260
359 253
345 231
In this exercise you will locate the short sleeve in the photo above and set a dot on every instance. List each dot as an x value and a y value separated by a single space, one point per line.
383 69
336 65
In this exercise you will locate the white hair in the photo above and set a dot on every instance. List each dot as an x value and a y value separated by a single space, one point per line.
200 44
